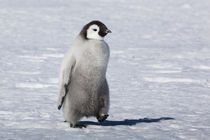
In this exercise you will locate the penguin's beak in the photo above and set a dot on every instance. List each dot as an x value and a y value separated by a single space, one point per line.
108 31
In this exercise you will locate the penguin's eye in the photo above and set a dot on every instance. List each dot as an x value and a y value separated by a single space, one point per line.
95 30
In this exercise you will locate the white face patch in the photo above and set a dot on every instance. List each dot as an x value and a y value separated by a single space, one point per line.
92 32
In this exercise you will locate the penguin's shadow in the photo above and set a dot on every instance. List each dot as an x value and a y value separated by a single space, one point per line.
126 122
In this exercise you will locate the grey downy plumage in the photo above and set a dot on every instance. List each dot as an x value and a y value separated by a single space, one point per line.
83 86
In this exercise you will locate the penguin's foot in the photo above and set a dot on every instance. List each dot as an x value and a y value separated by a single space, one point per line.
77 126
102 117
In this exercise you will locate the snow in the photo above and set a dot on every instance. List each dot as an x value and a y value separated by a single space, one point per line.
159 70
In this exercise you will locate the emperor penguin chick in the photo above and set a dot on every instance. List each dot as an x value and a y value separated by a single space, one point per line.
83 86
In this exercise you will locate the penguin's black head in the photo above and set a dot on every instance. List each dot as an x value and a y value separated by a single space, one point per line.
94 30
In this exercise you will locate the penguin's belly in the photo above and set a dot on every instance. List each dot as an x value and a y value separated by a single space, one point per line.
86 82
92 72
87 78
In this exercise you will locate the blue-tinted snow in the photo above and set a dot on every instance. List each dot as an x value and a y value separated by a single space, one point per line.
159 70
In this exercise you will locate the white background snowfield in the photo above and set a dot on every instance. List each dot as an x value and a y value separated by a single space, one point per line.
158 73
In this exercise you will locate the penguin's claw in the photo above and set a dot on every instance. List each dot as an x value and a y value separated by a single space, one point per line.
102 117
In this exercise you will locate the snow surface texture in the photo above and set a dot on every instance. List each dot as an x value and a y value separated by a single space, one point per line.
159 70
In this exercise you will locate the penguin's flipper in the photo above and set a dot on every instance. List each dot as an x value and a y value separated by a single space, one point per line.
64 91
65 80
63 97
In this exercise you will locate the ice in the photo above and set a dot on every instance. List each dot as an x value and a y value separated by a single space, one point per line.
158 73
32 85
168 80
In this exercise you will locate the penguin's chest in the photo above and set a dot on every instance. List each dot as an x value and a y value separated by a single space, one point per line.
93 62
96 58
